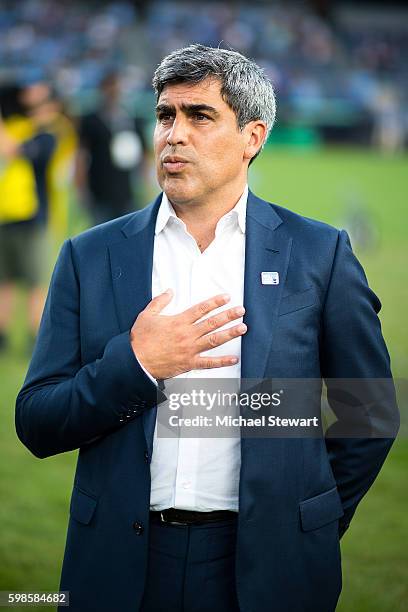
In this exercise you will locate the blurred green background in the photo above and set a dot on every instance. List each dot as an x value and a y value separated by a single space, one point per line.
329 185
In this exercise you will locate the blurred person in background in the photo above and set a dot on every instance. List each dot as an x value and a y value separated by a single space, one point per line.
60 169
111 158
388 129
28 142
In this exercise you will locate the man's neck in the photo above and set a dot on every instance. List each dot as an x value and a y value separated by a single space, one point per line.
201 218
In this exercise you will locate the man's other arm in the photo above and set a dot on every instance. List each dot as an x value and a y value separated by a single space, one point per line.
353 348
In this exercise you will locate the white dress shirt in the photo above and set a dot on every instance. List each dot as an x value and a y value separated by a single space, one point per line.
199 473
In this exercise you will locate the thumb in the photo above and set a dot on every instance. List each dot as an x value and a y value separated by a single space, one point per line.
160 302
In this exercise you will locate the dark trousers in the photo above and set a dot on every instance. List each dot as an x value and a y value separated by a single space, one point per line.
191 568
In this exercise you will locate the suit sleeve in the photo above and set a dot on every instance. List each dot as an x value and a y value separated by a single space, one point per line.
354 354
64 404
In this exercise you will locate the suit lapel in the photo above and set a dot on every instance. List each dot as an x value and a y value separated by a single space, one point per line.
267 249
131 262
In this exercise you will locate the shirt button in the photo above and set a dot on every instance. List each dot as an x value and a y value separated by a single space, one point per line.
138 527
187 484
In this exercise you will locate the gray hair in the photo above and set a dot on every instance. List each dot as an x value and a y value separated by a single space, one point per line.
244 86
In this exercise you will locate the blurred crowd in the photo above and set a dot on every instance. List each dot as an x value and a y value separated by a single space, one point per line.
76 102
346 69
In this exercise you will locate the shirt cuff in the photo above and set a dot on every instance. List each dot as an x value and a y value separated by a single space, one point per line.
148 374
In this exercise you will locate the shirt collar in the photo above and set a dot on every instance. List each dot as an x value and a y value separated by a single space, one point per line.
167 212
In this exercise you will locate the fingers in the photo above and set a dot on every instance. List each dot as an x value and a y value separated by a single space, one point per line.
196 312
213 323
216 339
159 302
204 363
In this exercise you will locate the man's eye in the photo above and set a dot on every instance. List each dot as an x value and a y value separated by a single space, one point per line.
200 116
163 117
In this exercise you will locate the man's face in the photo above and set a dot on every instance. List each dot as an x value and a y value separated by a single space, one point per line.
198 145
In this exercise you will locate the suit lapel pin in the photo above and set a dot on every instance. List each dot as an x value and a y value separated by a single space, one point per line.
270 278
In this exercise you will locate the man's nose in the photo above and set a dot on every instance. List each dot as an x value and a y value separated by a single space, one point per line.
178 133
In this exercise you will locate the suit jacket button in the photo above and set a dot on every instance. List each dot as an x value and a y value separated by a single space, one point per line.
138 527
146 456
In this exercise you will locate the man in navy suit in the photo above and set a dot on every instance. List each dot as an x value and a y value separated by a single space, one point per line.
241 289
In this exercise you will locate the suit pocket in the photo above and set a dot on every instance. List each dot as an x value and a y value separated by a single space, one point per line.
82 506
297 301
320 510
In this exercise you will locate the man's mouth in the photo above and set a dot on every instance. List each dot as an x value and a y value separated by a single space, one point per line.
173 163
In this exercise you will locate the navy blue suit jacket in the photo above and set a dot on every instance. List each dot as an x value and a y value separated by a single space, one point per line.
85 390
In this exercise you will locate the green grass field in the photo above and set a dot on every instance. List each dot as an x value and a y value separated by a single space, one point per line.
329 185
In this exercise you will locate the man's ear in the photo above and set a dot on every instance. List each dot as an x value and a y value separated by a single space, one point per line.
255 132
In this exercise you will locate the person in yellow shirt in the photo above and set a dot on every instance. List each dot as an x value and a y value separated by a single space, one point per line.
27 145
